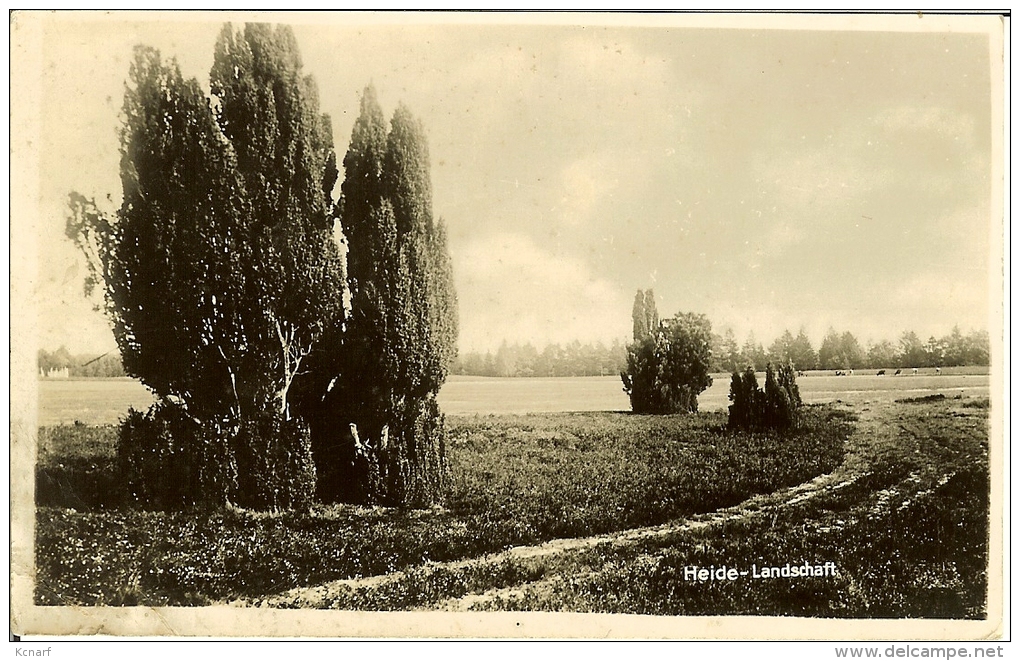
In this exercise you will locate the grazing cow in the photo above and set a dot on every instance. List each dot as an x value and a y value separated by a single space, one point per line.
897 372
851 372
915 371
938 371
880 373
839 373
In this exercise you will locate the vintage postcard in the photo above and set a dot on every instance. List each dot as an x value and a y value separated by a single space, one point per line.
508 325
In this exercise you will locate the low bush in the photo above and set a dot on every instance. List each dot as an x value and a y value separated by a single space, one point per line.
274 466
157 454
775 407
170 460
924 399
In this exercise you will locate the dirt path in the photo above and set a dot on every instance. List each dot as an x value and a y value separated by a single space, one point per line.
919 443
554 557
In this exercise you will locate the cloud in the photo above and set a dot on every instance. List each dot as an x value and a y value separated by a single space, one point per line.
510 288
943 295
583 185
928 119
588 184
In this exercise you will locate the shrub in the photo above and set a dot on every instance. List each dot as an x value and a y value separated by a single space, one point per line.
745 395
274 463
157 452
787 376
779 409
668 362
170 460
640 377
775 407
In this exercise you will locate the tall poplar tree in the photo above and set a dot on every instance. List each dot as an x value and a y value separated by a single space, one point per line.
172 257
220 268
382 436
270 114
415 471
639 317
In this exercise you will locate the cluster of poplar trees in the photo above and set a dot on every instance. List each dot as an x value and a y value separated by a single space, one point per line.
283 364
668 362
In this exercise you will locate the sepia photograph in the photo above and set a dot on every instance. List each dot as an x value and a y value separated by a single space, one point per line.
508 325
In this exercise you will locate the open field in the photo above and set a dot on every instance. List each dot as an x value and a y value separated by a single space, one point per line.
601 512
904 521
105 401
516 480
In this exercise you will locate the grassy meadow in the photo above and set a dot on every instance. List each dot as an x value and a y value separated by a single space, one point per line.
517 480
583 511
905 521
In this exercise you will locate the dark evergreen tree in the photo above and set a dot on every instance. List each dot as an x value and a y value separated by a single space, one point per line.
802 353
955 348
850 351
415 468
401 338
774 407
358 364
730 352
220 269
881 355
164 258
753 354
911 350
269 112
669 366
781 350
829 353
778 407
786 376
745 407
977 349
172 282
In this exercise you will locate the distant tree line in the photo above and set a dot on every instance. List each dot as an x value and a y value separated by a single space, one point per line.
572 359
840 351
81 365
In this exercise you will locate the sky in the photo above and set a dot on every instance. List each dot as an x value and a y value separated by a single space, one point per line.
769 178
